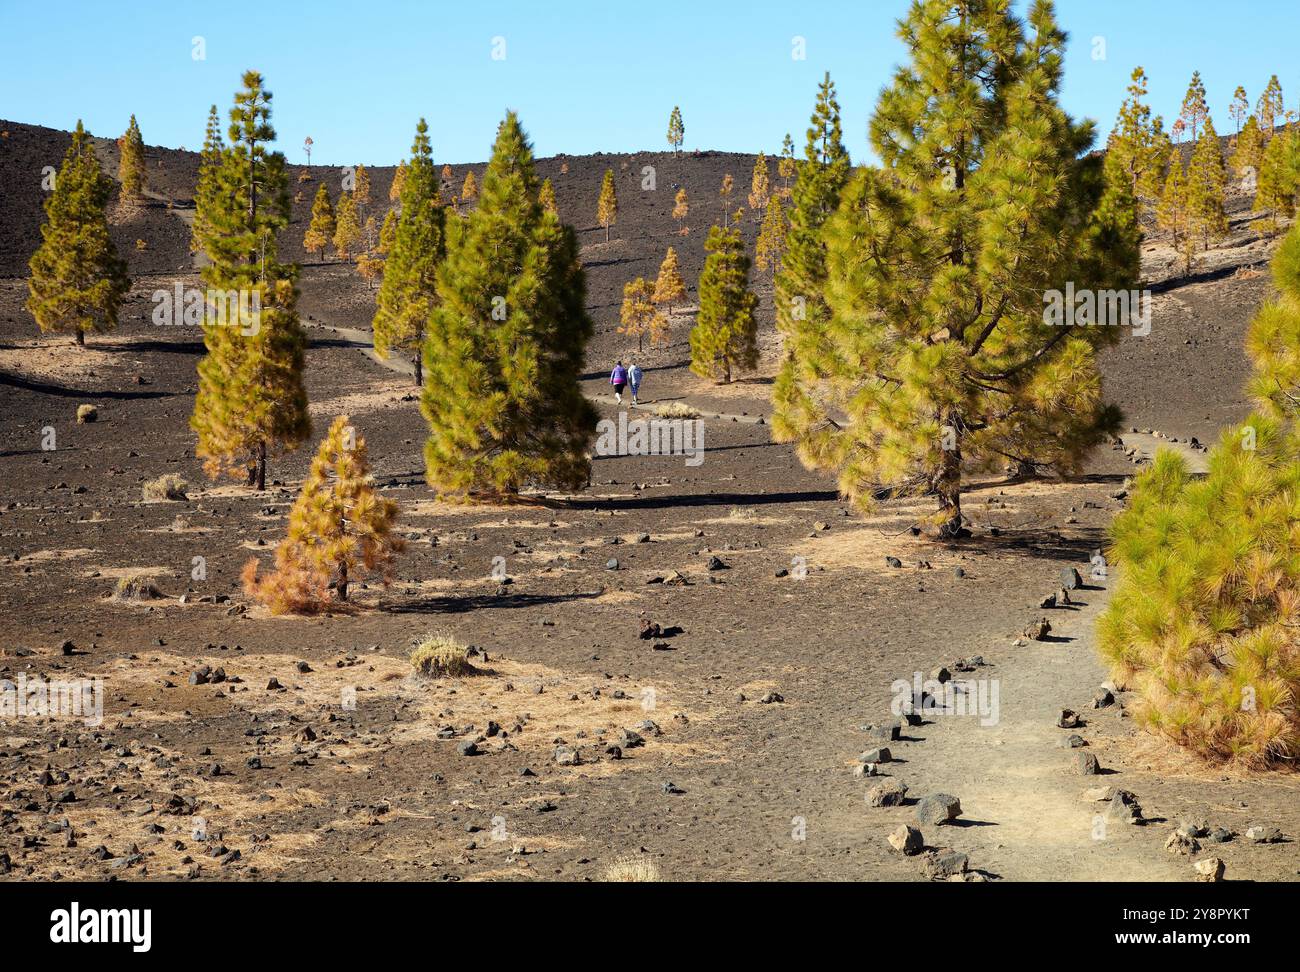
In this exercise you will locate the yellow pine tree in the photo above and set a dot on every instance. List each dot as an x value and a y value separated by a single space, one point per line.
607 205
1276 189
669 286
361 190
347 227
469 190
771 237
681 209
340 529
639 315
724 191
320 232
759 187
399 179
546 196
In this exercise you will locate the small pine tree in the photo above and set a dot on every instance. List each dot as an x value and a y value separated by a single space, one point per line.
340 528
724 192
409 292
546 196
1138 146
639 315
1239 108
251 402
681 207
469 189
388 232
1276 190
130 164
347 226
1207 180
1270 107
1195 110
725 336
1202 622
395 188
77 280
320 231
209 163
507 341
607 205
669 285
759 188
771 237
361 191
786 167
1249 155
676 130
447 176
1172 215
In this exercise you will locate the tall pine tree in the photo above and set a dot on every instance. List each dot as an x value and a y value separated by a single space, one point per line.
130 162
77 280
209 165
725 336
409 291
1138 146
320 231
1207 181
940 357
607 204
506 341
251 403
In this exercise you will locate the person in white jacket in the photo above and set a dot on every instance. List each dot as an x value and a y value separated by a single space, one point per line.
634 380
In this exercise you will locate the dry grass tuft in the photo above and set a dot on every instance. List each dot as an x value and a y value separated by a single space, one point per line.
677 410
633 869
439 656
168 487
136 587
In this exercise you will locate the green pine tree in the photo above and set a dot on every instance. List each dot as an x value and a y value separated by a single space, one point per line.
1276 190
347 226
506 341
1172 213
130 162
1195 110
1249 155
1207 183
251 403
209 164
77 280
725 336
941 356
676 130
1271 107
1138 146
801 310
1202 622
409 291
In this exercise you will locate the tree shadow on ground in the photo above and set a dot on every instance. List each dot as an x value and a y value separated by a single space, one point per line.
63 391
459 604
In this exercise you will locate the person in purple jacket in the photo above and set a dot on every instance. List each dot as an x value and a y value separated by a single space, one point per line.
618 378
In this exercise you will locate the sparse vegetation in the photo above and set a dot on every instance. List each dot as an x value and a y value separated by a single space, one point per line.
632 869
441 656
166 487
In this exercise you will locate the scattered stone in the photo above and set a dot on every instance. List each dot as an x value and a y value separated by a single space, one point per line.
1181 843
771 697
893 562
611 564
467 748
715 563
1220 835
1098 794
1068 719
1124 808
887 793
1071 579
1038 630
1264 835
673 788
880 754
1048 602
907 840
1087 764
944 864
938 808
566 756
1209 870
1073 741
1103 698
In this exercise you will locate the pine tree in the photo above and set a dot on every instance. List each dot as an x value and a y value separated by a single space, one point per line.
676 130
399 178
209 164
760 188
320 232
1138 146
939 356
388 232
130 164
771 237
546 196
1276 190
607 205
639 315
1250 152
1270 107
361 191
786 167
340 528
725 336
469 189
251 402
1201 624
446 177
1195 110
1207 181
1172 212
669 285
347 226
1239 108
409 292
801 310
77 280
724 192
507 341
681 208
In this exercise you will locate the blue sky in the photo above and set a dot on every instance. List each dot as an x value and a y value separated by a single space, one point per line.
585 76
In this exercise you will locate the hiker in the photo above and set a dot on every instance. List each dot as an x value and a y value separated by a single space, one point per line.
618 378
634 380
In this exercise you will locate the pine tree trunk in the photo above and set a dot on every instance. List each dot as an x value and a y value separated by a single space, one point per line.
81 338
947 484
419 369
343 581
261 465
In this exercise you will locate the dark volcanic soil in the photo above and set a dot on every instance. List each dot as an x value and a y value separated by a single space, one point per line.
351 769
